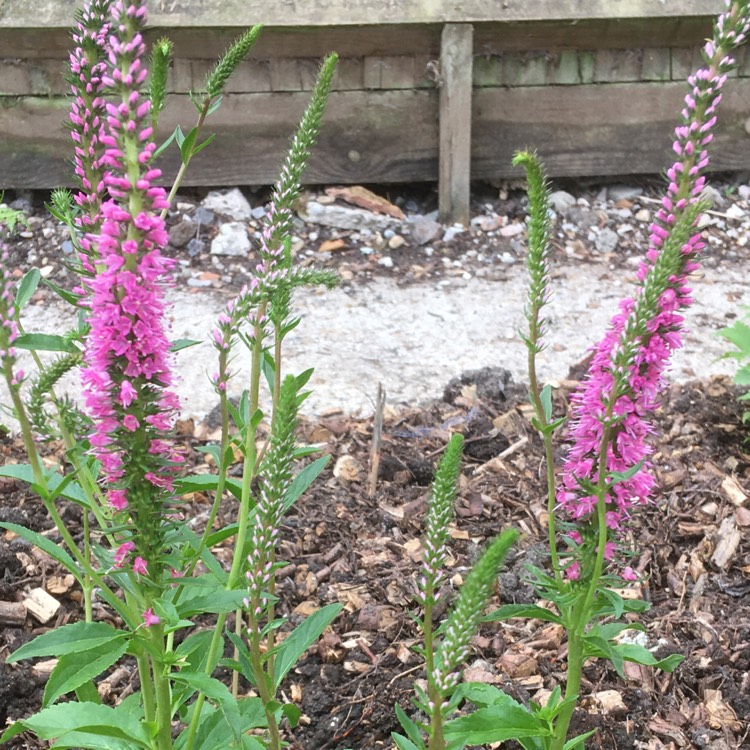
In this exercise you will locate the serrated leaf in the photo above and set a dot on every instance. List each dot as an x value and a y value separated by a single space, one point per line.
410 727
93 718
44 544
301 638
206 483
68 639
505 719
76 669
218 693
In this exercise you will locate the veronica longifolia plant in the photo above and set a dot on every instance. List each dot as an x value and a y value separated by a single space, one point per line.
606 474
122 465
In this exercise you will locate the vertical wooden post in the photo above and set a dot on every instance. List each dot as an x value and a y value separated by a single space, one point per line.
456 63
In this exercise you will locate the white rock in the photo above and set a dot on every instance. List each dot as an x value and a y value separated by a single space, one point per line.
736 212
344 217
424 229
386 261
623 192
643 215
512 230
396 241
607 241
232 239
561 201
744 192
452 232
230 203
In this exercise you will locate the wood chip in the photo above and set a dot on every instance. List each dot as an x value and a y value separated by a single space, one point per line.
43 669
720 714
42 605
12 613
734 492
610 702
727 541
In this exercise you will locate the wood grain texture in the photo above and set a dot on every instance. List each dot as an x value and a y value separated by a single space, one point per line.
455 123
378 136
392 136
598 130
233 13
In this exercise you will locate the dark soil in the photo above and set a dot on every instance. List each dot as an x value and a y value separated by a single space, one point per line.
692 547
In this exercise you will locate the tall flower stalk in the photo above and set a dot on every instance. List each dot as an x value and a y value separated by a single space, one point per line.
88 64
607 471
127 376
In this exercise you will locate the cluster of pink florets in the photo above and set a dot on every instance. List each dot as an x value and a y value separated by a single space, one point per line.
88 67
621 399
127 377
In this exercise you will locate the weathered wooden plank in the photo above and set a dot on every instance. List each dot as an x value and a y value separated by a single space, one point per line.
598 130
591 34
455 122
392 136
208 43
232 13
378 136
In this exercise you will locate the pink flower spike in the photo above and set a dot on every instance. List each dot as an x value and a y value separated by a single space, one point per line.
140 567
149 618
628 574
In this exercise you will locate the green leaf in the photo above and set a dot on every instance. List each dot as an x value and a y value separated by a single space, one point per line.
206 483
292 714
546 398
179 344
617 602
403 744
69 639
76 669
243 656
640 655
159 151
505 719
216 600
69 297
622 476
526 611
186 146
45 342
59 720
739 335
410 727
303 480
207 142
44 544
577 743
88 692
218 693
89 741
56 483
303 636
27 287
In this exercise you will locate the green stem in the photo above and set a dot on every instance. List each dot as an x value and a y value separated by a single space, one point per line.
549 455
580 612
147 688
261 679
162 692
186 159
436 740
242 520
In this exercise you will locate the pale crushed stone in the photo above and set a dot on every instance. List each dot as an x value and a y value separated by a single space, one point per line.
415 338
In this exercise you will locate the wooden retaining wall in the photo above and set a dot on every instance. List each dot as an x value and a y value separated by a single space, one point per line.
426 89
